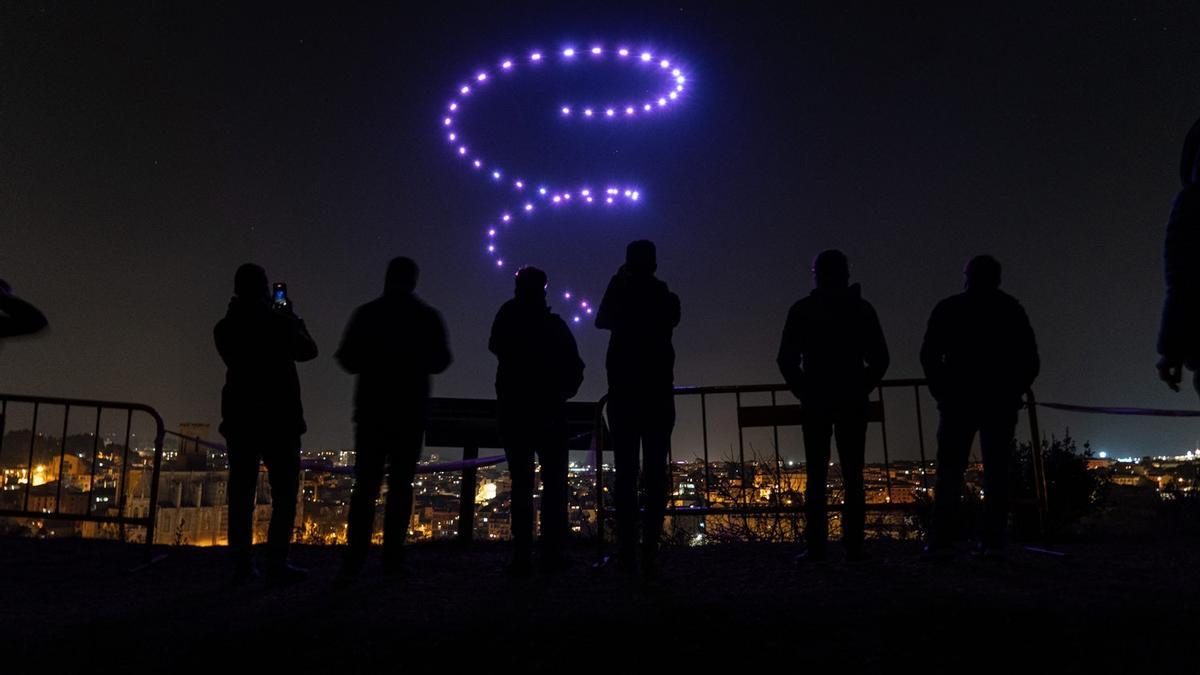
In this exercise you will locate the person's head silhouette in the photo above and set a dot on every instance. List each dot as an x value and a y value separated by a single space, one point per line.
831 269
531 283
401 278
982 273
250 283
641 257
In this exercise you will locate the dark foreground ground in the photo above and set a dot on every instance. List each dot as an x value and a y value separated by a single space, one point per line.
1124 601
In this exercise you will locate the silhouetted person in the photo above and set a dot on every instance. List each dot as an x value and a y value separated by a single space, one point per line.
980 357
393 343
539 370
642 313
832 355
1179 336
261 417
17 317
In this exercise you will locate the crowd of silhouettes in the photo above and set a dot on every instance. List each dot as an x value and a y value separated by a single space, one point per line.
979 356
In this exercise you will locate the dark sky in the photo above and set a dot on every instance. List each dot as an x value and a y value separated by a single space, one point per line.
146 151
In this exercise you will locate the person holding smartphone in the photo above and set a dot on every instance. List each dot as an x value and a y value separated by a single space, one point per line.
262 418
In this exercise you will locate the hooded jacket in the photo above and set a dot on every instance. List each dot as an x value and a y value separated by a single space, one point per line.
260 347
1179 333
539 362
979 351
393 343
833 352
642 314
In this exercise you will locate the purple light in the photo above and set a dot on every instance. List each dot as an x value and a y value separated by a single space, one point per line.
610 110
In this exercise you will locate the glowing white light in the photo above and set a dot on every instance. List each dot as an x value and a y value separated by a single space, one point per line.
674 95
634 196
499 263
520 185
506 217
556 199
567 295
662 101
528 207
491 248
596 50
646 56
542 191
609 200
568 52
629 110
628 192
583 304
646 107
610 112
587 112
465 90
481 77
462 149
623 52
589 310
506 65
447 121
452 136
576 319
536 56
665 63
680 79
567 196
496 175
453 107
585 192
612 191
589 200
492 232
477 163
676 72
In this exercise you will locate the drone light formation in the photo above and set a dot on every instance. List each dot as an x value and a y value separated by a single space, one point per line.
549 192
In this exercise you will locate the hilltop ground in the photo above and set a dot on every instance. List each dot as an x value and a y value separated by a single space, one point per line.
1124 598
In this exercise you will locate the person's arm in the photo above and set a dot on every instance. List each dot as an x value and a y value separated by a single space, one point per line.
349 353
304 348
606 314
673 310
1029 362
18 317
439 343
876 353
571 365
933 352
790 353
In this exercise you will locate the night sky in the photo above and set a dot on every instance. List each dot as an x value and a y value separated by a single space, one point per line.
145 152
